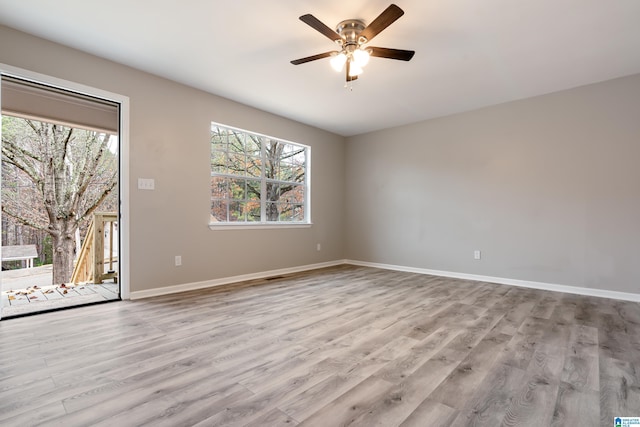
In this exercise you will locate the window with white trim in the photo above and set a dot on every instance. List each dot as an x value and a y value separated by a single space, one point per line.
257 179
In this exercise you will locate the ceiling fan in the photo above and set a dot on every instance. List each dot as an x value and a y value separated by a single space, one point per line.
352 35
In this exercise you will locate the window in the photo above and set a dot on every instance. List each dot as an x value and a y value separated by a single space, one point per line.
256 179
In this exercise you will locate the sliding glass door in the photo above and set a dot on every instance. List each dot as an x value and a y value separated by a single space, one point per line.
59 197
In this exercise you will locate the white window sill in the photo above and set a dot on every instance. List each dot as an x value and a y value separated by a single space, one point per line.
258 225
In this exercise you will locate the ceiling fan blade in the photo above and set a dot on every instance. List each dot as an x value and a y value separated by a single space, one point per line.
386 18
317 25
313 58
350 78
383 52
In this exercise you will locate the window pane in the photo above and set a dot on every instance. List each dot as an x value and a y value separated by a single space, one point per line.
299 175
252 209
253 189
236 163
286 211
218 139
218 161
237 189
254 166
285 172
287 151
219 187
235 212
272 211
219 143
253 146
299 158
256 178
271 162
298 213
273 192
290 173
236 142
292 194
219 210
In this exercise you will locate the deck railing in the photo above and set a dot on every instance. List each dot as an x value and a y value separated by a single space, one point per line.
90 265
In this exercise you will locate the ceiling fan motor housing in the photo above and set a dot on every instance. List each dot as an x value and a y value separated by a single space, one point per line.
350 30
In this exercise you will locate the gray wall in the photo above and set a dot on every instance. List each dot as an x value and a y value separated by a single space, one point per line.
169 142
547 188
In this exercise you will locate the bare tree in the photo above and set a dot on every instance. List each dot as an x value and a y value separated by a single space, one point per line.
63 175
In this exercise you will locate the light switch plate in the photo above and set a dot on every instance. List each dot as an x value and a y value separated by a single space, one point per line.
146 184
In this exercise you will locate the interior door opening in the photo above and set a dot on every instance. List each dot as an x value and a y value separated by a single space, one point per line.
60 199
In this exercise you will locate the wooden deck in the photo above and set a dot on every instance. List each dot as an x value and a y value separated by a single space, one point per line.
29 290
40 298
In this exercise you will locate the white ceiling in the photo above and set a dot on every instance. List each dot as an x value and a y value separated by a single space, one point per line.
469 53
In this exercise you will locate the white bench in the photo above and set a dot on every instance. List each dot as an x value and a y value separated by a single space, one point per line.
20 253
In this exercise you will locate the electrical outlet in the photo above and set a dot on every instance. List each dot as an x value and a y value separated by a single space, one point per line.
178 260
476 254
318 247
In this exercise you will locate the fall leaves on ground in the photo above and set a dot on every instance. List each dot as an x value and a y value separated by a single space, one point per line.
28 293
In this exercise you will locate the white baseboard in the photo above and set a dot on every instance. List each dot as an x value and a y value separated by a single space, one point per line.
503 281
228 280
625 296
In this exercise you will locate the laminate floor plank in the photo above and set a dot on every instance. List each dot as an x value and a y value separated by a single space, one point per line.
394 349
475 331
344 345
120 366
576 407
274 418
545 307
190 406
619 389
298 370
302 405
37 416
452 314
520 349
489 404
534 403
462 383
432 414
517 305
582 373
174 375
398 369
42 398
346 408
403 398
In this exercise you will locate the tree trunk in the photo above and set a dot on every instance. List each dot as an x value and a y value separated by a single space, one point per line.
64 246
272 196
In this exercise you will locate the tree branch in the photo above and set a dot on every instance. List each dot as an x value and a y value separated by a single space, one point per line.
100 199
23 221
17 157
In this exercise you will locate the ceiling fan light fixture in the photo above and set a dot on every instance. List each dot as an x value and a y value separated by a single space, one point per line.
361 57
355 70
338 61
353 35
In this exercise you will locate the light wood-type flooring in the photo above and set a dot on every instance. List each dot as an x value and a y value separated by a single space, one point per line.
340 346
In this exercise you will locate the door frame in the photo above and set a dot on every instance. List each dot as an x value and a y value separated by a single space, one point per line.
123 158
